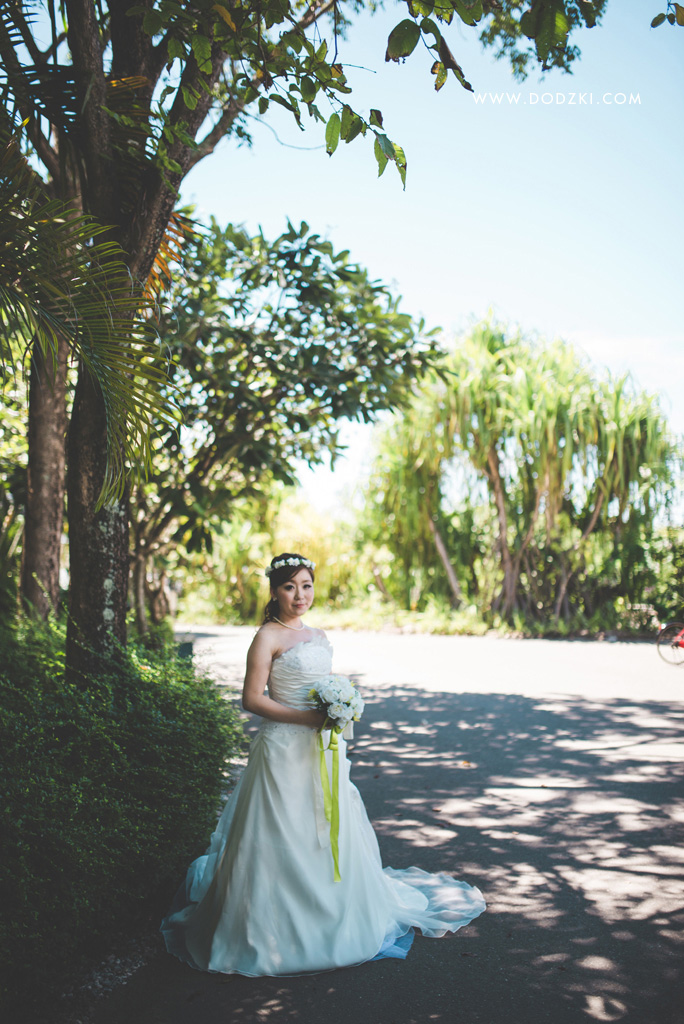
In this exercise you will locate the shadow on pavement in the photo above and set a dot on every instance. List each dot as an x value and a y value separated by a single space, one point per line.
566 812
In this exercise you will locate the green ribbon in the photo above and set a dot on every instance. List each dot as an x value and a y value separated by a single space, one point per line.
331 796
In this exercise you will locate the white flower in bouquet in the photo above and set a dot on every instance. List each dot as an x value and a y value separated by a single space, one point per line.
328 692
356 705
337 697
337 711
345 689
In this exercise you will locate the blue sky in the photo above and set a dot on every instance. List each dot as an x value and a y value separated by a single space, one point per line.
561 211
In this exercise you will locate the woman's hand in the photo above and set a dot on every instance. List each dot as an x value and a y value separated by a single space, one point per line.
315 719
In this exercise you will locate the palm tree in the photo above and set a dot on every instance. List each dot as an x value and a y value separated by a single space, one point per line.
65 291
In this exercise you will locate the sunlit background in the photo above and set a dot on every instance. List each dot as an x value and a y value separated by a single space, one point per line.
560 210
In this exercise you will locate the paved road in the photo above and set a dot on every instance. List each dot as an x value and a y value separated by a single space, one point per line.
550 774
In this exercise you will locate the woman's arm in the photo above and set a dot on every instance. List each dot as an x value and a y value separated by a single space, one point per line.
254 699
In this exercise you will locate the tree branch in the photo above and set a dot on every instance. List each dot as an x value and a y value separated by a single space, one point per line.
22 93
220 129
236 106
93 121
133 54
314 13
160 192
158 196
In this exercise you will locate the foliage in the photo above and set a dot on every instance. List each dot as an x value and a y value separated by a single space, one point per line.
12 488
107 791
372 613
272 345
562 474
548 25
184 60
372 584
59 276
120 104
674 15
228 583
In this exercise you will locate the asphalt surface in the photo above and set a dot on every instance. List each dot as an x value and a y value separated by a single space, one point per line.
548 773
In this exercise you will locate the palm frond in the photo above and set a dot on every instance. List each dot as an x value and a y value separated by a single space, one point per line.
59 276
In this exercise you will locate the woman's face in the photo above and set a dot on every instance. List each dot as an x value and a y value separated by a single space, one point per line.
296 595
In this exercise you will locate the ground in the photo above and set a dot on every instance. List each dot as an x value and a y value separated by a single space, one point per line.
548 773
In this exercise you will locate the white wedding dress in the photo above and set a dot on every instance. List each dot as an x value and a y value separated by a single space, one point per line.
262 899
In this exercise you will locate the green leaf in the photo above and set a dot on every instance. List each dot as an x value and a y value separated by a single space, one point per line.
427 25
276 98
175 49
379 156
588 13
386 145
468 13
528 23
152 23
402 40
332 134
189 97
307 87
658 20
552 29
347 121
400 161
679 14
263 104
201 47
357 126
376 119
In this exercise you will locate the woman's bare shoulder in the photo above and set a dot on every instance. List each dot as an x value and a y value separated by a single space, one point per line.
265 640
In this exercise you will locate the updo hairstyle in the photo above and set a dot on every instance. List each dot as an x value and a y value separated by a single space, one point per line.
276 578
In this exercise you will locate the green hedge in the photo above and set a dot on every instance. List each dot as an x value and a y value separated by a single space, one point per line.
107 792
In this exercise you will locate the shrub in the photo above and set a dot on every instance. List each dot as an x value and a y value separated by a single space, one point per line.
107 792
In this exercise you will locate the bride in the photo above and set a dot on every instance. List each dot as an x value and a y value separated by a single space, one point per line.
263 899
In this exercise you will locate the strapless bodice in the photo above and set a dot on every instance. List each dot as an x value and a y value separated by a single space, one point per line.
294 672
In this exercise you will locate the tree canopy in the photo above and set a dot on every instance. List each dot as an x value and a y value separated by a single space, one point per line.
118 102
271 345
550 457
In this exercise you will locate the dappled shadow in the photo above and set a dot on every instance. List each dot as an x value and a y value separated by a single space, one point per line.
568 813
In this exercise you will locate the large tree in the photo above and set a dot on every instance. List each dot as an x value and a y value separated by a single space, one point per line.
272 344
125 99
64 290
558 452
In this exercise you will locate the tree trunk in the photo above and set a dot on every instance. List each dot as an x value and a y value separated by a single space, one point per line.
510 583
380 583
456 595
98 541
568 573
140 591
47 425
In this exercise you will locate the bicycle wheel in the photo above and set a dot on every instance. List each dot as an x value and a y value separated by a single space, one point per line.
670 643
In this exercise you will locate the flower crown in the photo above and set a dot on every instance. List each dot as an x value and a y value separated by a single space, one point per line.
289 561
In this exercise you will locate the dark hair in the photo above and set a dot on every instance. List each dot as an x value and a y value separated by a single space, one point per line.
281 575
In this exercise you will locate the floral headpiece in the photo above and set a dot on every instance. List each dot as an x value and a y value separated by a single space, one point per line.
289 561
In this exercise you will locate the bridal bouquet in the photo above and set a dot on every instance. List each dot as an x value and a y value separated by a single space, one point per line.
338 698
